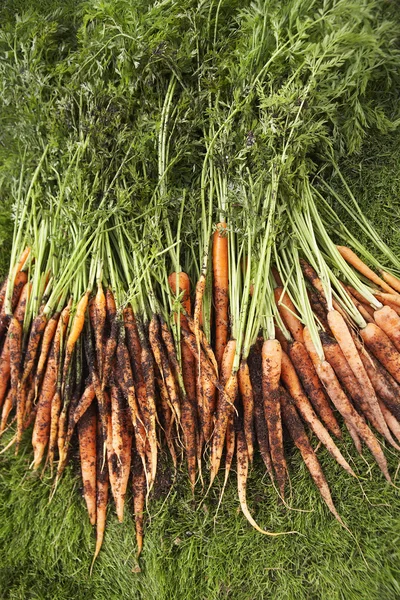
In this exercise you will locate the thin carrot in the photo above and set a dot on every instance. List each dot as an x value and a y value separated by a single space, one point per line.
391 420
389 322
7 408
356 262
255 368
221 289
246 393
225 407
102 485
391 280
150 414
303 405
312 385
206 366
37 329
299 436
3 290
384 384
19 284
4 370
22 260
111 344
354 436
167 419
343 337
288 313
100 314
87 434
139 498
344 406
271 373
82 406
48 336
15 346
188 418
75 332
382 348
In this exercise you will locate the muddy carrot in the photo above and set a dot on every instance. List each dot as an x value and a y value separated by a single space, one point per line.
87 433
221 289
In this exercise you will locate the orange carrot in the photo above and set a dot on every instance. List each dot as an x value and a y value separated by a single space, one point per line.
7 408
343 337
382 348
391 420
35 335
87 432
391 280
312 385
303 405
102 485
3 290
255 368
221 289
299 436
75 332
139 498
188 419
246 393
289 314
4 370
389 322
362 268
271 373
15 346
100 313
344 406
48 336
225 407
184 286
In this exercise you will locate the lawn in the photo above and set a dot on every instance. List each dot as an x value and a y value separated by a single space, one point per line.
191 552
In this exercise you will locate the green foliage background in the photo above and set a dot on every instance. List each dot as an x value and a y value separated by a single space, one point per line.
190 552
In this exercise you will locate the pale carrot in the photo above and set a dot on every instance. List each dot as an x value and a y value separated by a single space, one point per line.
246 393
382 348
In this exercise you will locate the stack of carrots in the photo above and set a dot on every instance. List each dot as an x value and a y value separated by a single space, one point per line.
187 291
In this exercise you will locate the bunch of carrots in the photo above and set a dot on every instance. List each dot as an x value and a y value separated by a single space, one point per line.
187 290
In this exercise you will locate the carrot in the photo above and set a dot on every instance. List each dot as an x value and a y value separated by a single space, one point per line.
7 408
48 336
281 338
116 424
4 370
221 289
125 381
100 313
312 386
225 407
22 260
82 406
188 418
362 268
389 322
385 386
288 313
299 436
349 349
87 433
382 348
354 436
315 281
345 375
134 346
21 279
150 413
277 277
76 330
205 365
293 385
119 465
3 290
111 344
246 393
391 420
198 304
255 368
344 406
209 352
271 373
164 366
41 429
139 498
391 280
35 335
318 306
184 286
15 346
167 420
102 485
